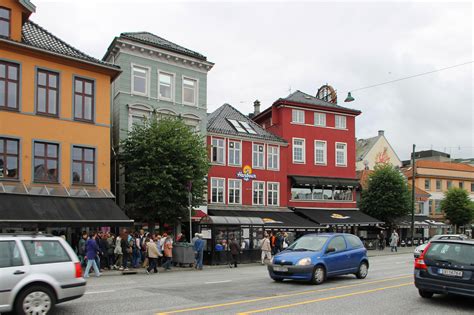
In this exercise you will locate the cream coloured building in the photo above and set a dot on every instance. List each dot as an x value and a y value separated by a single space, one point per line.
375 150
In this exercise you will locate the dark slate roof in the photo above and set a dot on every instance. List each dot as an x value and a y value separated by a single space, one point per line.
363 146
159 42
35 36
303 98
217 122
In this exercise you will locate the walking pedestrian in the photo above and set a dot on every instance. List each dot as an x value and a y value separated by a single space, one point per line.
111 250
394 241
81 248
126 250
198 251
234 251
168 253
118 253
266 249
92 251
153 254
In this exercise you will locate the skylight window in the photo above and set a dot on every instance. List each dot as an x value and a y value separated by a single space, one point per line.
237 126
247 127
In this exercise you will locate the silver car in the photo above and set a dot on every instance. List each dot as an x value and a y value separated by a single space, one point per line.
37 271
419 249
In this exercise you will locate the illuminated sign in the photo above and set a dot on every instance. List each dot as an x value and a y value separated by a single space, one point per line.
246 173
338 216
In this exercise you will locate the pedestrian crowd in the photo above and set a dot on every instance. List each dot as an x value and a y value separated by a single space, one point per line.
273 243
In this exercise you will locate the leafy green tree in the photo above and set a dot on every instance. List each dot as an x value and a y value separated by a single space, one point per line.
162 159
387 196
457 206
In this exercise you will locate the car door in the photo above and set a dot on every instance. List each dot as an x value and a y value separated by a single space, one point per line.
12 269
336 255
355 253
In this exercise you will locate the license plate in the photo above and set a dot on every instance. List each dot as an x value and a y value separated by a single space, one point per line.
450 273
280 269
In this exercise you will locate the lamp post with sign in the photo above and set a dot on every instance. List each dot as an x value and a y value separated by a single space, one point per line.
190 202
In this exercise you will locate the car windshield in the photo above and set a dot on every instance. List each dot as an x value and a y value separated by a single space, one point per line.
454 253
311 242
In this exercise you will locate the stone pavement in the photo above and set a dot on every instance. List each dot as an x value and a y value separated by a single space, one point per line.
386 251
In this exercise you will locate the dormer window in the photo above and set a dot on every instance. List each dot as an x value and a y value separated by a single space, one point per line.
5 15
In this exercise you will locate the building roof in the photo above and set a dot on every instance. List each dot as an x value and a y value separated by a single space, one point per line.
159 42
218 122
303 98
445 165
28 5
363 146
37 37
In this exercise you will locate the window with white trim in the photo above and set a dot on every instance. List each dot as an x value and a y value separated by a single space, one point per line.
218 150
320 119
139 80
297 116
340 122
320 152
258 155
166 85
235 153
341 154
273 193
235 191
299 150
273 157
217 190
189 91
258 189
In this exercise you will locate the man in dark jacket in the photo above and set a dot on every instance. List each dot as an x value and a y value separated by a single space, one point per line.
91 253
198 251
234 247
104 251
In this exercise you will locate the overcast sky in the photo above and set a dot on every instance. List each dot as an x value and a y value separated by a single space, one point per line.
262 50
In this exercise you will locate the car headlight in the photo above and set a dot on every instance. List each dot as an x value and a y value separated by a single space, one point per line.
304 262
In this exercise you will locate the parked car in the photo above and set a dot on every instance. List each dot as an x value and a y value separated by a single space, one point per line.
37 272
315 257
446 267
421 248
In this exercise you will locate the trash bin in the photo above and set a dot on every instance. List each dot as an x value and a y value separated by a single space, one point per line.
183 254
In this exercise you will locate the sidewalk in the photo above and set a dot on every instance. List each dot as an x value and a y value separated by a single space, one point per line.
387 252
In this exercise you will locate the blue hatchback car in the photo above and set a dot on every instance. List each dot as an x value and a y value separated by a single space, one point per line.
315 257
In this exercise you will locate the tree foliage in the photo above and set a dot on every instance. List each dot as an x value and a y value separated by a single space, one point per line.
160 159
387 196
457 206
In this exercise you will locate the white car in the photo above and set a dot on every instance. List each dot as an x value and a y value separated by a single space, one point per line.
37 272
419 249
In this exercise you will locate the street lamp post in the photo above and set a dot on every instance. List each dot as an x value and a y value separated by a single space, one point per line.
190 202
413 195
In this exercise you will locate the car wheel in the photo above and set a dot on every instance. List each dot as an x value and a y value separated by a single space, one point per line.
319 275
425 294
363 270
35 300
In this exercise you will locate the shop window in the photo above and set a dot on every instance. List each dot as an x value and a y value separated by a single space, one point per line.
322 193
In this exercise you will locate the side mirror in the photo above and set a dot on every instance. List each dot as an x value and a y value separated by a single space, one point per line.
330 250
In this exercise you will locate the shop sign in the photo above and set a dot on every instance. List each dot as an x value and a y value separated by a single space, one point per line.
338 216
246 173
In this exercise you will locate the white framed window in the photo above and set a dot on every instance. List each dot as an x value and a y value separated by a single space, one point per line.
218 151
258 155
217 190
235 191
299 150
137 115
140 79
320 119
320 152
341 154
273 157
166 85
273 193
297 116
258 192
340 122
235 153
190 91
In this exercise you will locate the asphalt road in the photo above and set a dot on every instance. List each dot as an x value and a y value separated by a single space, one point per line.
388 289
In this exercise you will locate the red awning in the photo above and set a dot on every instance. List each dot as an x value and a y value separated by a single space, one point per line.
198 215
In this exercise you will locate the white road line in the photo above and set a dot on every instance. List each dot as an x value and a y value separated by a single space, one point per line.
94 292
214 282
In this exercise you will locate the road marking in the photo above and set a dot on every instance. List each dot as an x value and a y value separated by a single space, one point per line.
279 296
94 292
214 282
325 299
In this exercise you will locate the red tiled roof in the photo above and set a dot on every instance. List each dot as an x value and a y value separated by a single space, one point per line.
444 165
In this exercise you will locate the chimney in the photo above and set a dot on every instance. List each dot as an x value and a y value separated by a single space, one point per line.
381 132
256 107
